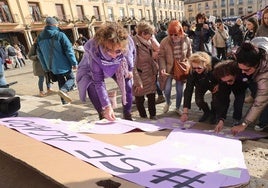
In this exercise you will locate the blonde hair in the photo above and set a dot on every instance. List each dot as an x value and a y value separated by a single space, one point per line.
201 58
144 27
112 33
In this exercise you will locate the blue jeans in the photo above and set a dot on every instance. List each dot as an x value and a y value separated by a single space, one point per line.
66 82
179 91
41 80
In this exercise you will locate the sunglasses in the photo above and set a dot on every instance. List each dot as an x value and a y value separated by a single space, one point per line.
175 35
111 51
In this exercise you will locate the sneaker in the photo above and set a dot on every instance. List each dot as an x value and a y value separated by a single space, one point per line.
178 111
65 96
260 127
166 108
74 88
160 99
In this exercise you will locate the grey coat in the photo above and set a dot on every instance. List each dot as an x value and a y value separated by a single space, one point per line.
37 67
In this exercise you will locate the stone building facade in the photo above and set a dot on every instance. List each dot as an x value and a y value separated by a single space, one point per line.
22 20
226 9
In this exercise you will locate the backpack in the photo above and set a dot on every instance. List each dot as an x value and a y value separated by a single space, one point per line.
11 51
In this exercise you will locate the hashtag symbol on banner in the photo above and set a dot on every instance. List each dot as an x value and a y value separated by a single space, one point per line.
187 181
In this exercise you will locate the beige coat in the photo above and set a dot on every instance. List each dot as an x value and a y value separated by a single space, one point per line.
166 57
145 68
220 38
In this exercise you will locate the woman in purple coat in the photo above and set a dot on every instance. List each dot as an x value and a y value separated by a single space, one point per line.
110 54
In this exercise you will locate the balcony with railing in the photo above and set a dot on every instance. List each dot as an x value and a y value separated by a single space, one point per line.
130 2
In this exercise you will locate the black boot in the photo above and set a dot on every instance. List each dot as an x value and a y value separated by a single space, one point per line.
206 111
128 117
204 117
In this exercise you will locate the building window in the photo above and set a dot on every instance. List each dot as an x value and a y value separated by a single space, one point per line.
214 4
149 14
110 14
231 2
240 11
131 12
96 11
121 12
140 14
161 15
60 12
5 15
80 12
223 4
199 7
35 12
232 12
206 5
223 13
250 9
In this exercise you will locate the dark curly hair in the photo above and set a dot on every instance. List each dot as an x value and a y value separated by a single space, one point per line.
225 68
248 54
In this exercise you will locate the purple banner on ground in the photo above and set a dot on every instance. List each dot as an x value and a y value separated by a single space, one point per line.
226 133
184 159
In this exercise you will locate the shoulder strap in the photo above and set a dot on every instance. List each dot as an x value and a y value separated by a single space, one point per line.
51 50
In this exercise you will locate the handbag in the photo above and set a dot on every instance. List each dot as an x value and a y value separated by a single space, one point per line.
8 61
181 70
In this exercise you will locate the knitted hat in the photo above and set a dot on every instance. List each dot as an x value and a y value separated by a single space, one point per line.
51 21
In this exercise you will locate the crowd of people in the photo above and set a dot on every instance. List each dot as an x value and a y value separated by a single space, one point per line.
224 58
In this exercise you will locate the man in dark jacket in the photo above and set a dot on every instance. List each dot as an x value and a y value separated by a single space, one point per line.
237 33
162 33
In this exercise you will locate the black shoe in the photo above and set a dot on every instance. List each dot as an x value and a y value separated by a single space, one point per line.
128 117
213 119
153 118
204 117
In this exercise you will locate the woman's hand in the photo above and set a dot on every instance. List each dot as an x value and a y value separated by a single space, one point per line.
163 72
215 89
108 113
130 75
219 126
138 88
237 129
184 117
